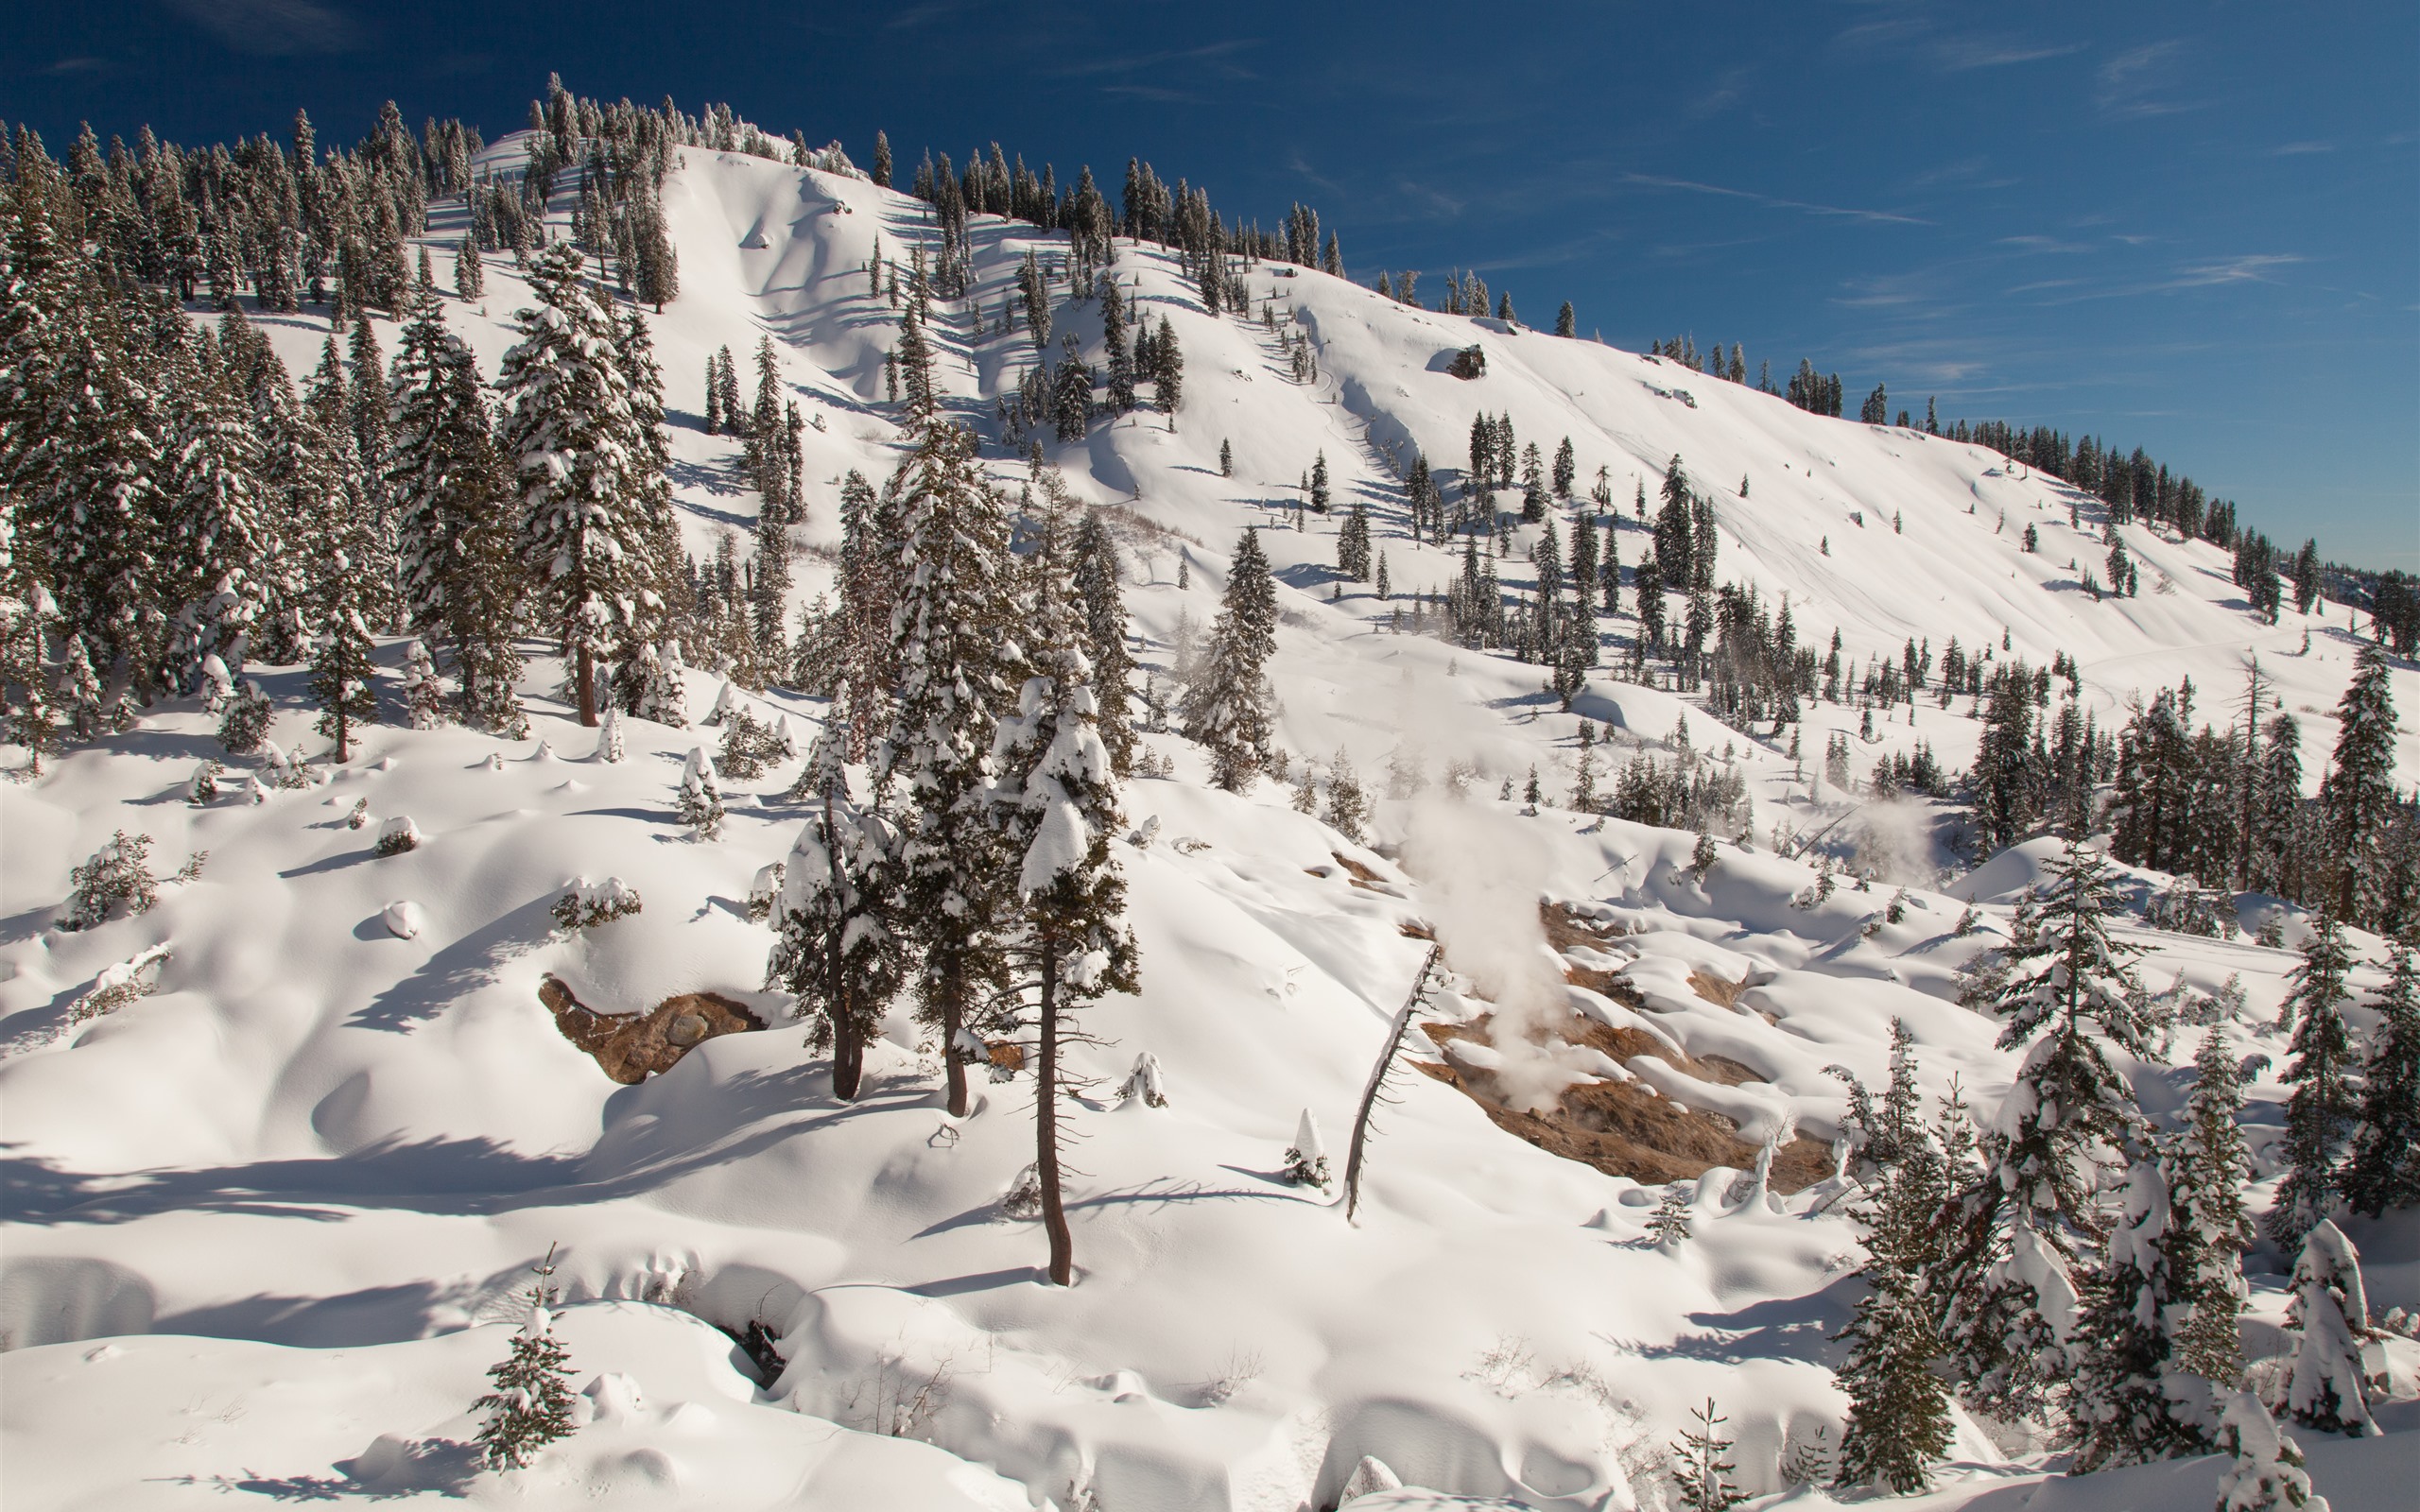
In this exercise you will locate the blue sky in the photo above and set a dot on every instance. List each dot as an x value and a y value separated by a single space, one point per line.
2191 228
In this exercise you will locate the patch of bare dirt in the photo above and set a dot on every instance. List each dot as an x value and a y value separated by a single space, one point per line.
628 1046
1715 990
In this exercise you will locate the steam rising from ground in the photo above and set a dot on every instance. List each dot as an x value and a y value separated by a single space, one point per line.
1481 874
1894 842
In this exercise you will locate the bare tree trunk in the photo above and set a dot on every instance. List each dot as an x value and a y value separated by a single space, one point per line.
1046 1122
848 1044
950 987
587 673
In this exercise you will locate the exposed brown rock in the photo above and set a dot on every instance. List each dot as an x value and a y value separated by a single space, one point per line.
628 1046
1622 1128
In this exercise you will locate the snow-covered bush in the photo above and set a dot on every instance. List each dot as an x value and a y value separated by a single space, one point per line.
359 817
1144 1082
245 723
1023 1199
590 903
726 703
398 835
699 801
2188 908
201 789
120 985
608 735
1348 806
1306 1163
119 875
765 891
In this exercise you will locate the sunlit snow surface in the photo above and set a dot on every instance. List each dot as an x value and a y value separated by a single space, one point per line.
266 1228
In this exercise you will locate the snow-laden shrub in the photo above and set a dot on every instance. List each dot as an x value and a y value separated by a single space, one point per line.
727 702
608 735
120 985
1306 1163
244 725
1144 1082
648 685
359 817
118 875
2188 908
203 788
588 903
403 918
398 835
1023 1199
765 891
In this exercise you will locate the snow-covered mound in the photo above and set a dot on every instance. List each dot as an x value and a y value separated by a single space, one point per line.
266 1223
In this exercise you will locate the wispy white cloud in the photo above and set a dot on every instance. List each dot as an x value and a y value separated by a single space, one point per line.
1649 180
2298 150
1134 63
2138 81
273 29
1964 53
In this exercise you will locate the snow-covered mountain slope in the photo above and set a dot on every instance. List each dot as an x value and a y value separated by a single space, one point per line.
322 1156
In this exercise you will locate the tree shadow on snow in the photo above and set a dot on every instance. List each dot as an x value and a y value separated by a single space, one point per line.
468 964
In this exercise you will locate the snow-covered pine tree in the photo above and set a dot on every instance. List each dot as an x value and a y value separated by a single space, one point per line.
2320 1112
841 944
470 277
2330 1314
530 1407
1168 371
2358 797
1056 808
1669 1222
2069 998
1096 567
1898 1420
583 526
219 530
342 668
2208 1166
1227 703
423 696
454 520
698 799
2264 1470
954 623
2384 1171
2130 1405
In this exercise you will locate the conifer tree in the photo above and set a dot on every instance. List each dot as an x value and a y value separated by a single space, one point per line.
2331 1312
2320 1113
1168 371
1898 1420
341 667
2208 1166
2384 1171
2127 1400
1095 569
1227 705
952 624
454 518
2264 1470
1565 322
221 532
698 799
841 944
470 278
583 526
1057 810
530 1407
1352 544
2357 798
1700 1473
2068 997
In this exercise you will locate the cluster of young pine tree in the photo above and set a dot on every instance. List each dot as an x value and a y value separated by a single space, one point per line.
2074 1261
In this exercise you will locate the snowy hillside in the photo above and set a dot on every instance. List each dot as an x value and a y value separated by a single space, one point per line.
268 1226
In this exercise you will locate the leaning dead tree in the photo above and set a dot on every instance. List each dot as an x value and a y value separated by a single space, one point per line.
1431 975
